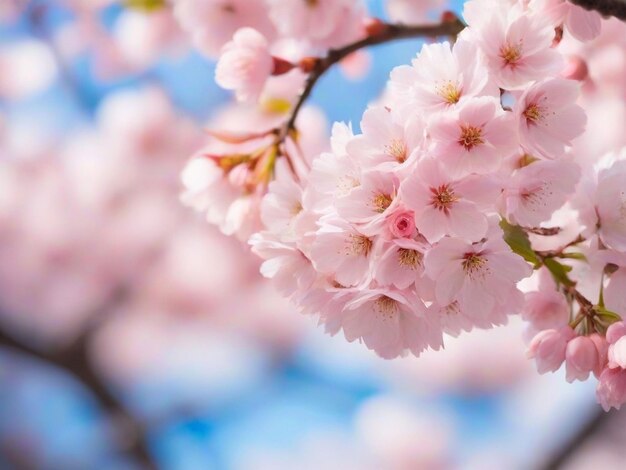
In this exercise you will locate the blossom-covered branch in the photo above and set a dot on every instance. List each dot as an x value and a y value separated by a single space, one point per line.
465 180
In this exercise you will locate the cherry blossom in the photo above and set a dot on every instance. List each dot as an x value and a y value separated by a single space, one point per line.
245 64
439 77
516 45
444 206
549 117
473 138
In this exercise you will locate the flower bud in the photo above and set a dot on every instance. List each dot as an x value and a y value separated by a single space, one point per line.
603 350
615 332
581 357
548 348
611 390
402 224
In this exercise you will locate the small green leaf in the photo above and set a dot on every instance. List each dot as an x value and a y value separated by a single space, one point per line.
559 271
518 240
576 256
606 315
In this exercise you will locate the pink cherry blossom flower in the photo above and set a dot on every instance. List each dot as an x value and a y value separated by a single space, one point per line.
340 250
282 208
477 275
325 23
584 25
581 358
385 144
537 190
439 77
400 263
546 308
614 292
517 45
372 201
212 23
445 206
611 390
455 320
617 353
549 117
390 322
245 64
609 204
289 267
548 348
402 224
473 138
333 174
602 347
208 190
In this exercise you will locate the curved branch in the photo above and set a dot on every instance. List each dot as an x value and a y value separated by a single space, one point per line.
388 33
616 8
74 360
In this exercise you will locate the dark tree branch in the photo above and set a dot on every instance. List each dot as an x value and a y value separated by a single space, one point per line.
573 445
616 8
75 361
389 32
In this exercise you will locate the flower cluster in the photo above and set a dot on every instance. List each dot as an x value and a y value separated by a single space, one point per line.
464 180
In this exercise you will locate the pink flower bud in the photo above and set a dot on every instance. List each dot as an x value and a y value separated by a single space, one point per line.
615 332
617 354
581 357
603 351
402 224
548 348
611 390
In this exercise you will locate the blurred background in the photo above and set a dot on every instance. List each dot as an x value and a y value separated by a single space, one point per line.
134 335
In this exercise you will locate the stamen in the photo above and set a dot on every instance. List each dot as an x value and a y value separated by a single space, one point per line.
471 137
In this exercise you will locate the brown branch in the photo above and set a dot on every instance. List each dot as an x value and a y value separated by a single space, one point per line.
388 33
75 361
573 445
616 8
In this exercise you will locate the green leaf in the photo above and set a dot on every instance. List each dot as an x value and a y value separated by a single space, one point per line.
518 240
559 271
145 5
606 315
576 256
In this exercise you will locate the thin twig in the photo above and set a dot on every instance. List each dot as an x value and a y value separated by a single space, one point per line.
390 32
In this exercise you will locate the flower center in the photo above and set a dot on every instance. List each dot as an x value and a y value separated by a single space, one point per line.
296 208
311 3
360 245
410 258
381 202
397 149
511 53
474 265
443 198
450 92
532 113
471 136
386 307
